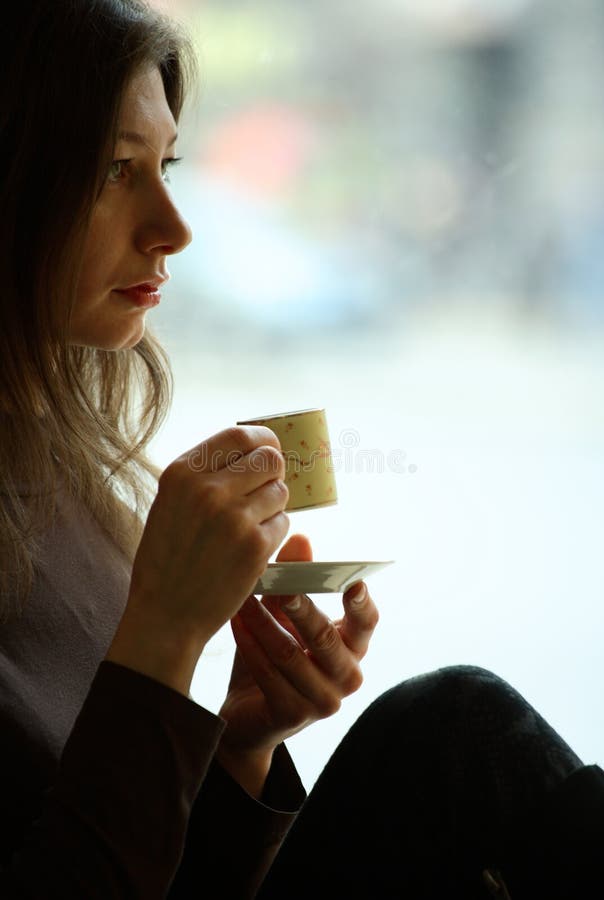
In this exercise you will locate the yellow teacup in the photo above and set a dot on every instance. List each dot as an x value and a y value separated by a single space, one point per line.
305 444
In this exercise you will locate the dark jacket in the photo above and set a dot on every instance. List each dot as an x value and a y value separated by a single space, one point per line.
108 787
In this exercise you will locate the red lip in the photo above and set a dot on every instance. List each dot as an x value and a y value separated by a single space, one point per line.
155 282
144 294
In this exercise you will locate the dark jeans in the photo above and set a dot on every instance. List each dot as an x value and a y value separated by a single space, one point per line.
423 794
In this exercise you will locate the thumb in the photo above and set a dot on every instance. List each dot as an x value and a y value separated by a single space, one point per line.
296 549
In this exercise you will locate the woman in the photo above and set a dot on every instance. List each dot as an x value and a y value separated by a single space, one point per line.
114 783
103 751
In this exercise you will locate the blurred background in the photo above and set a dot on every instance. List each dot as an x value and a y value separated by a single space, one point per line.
398 213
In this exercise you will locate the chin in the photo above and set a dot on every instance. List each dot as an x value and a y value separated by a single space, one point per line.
131 342
122 340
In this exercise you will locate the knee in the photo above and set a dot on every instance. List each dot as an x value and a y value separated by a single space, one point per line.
443 714
451 681
465 681
451 692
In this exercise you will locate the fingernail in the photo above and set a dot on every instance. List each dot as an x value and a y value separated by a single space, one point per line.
292 605
359 592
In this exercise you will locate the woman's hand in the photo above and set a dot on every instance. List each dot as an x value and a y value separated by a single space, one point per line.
293 666
216 520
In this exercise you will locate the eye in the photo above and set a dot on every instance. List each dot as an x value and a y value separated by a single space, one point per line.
116 169
167 164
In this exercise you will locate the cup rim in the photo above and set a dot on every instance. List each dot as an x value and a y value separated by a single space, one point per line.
286 415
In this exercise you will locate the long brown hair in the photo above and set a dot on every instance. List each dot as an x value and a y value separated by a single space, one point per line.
74 416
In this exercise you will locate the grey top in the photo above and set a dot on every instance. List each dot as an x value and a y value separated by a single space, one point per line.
108 787
50 653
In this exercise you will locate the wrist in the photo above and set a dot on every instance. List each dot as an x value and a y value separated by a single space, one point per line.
155 652
248 768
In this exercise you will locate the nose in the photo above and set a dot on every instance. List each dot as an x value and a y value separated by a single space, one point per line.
162 226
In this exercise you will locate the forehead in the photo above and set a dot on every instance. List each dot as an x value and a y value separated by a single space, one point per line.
144 106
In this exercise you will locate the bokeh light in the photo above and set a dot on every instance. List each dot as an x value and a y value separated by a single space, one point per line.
399 216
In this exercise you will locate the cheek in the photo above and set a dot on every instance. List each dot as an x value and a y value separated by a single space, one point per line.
97 257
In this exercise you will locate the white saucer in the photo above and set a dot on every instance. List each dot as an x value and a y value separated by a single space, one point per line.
314 577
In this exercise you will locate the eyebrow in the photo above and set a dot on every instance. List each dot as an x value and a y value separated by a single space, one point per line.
133 137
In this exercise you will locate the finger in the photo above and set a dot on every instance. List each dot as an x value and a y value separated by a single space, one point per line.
255 482
227 447
321 636
360 619
261 465
267 500
297 549
239 670
274 531
282 698
273 604
247 473
287 657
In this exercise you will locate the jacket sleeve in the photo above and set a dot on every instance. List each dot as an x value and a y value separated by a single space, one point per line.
114 822
232 837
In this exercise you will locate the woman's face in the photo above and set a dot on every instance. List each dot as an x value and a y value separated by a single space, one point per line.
135 225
